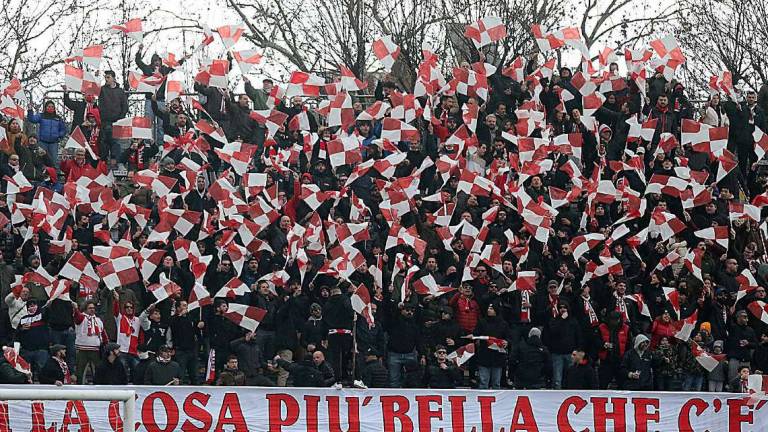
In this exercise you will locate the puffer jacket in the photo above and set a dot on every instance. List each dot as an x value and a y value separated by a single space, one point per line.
52 127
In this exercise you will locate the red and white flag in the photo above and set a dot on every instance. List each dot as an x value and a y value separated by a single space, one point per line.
199 297
462 354
706 360
173 89
584 243
165 289
759 309
718 234
761 142
210 369
743 211
703 137
237 154
89 56
386 51
747 283
247 59
132 29
361 303
396 130
247 317
271 119
157 183
692 262
666 224
668 47
132 127
79 269
118 272
230 34
81 80
685 327
344 151
17 184
16 361
485 31
232 289
137 81
349 82
641 305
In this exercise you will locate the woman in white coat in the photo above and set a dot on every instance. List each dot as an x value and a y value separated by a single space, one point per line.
713 113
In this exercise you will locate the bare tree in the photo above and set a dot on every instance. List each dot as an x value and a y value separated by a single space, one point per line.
518 15
329 33
722 35
621 22
38 36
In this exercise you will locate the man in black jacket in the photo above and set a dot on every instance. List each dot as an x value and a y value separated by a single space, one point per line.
375 375
741 340
325 369
111 370
163 371
156 67
441 373
337 316
531 362
562 335
183 338
580 375
637 366
221 331
405 344
113 105
56 370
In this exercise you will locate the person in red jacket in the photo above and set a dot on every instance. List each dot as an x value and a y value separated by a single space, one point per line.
75 168
615 337
466 309
663 327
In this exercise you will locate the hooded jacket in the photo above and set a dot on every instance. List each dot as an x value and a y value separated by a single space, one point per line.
638 361
52 127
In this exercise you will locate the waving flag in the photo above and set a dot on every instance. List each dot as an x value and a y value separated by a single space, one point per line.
132 29
485 31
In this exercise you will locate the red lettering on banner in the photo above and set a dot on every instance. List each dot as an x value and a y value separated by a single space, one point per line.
523 409
5 425
457 412
113 416
642 416
353 414
684 418
80 419
618 415
389 413
231 414
197 413
38 418
426 414
578 404
170 408
311 403
735 416
276 402
486 413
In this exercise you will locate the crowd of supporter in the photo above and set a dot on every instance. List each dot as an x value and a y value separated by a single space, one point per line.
525 240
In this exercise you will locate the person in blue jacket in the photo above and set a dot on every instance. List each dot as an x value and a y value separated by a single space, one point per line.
52 129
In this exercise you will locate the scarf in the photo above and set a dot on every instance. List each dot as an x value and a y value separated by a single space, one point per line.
223 104
553 304
590 312
126 327
621 307
525 312
64 370
162 360
93 325
93 141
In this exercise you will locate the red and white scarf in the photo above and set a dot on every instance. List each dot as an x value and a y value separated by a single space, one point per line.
553 299
590 312
65 370
525 311
93 325
621 307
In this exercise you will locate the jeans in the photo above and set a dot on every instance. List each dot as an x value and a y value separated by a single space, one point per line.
66 338
488 377
395 364
109 148
187 361
157 131
129 362
693 382
265 339
716 386
52 148
560 363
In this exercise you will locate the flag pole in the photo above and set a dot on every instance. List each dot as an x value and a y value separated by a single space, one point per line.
354 346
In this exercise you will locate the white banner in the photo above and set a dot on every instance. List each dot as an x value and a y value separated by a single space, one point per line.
293 409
